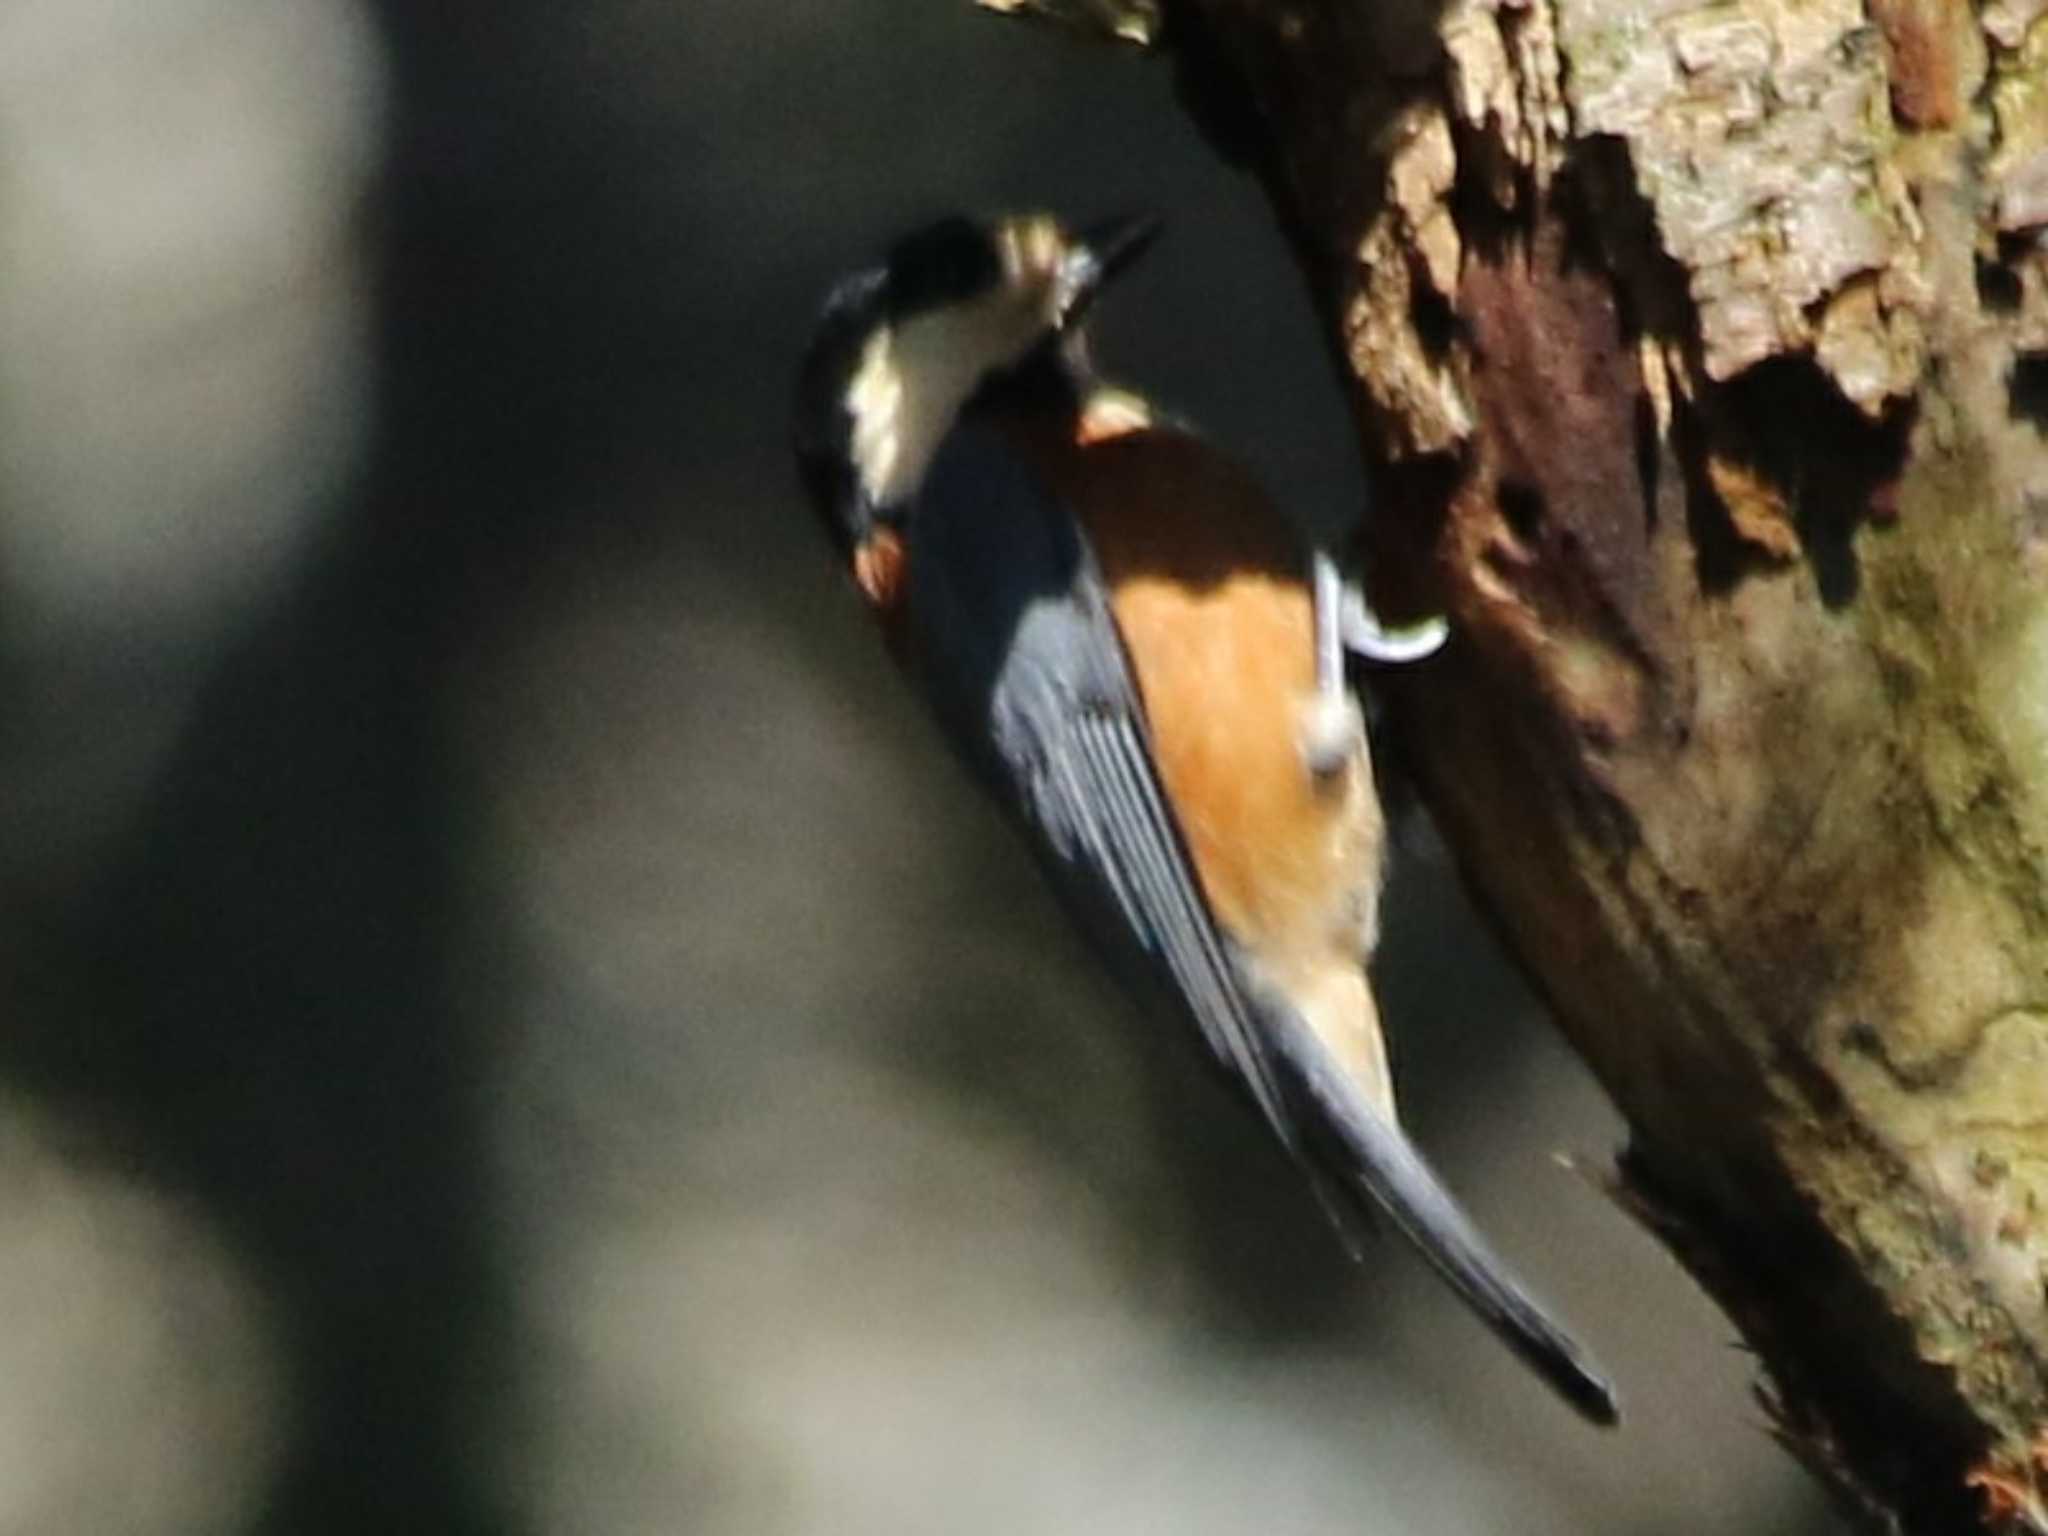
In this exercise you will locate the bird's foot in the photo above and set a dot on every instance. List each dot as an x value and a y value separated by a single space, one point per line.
1332 733
1364 635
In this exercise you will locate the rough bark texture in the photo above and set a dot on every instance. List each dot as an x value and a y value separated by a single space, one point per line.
1704 351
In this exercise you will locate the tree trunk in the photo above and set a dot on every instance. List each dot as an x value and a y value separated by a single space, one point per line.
1702 353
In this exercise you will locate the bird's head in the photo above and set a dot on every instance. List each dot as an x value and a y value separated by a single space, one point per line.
903 347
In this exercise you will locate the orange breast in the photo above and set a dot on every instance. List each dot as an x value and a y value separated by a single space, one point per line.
1208 586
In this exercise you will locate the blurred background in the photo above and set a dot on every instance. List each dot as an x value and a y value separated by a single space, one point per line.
509 1022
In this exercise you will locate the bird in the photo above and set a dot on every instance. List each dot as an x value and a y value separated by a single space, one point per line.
1145 665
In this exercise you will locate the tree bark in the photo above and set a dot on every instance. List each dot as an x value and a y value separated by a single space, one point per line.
1702 353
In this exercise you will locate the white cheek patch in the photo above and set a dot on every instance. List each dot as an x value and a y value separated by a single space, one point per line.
875 401
913 379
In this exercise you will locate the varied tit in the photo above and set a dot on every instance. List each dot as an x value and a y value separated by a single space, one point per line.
1135 654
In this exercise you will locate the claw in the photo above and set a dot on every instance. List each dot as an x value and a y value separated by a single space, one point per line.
1364 635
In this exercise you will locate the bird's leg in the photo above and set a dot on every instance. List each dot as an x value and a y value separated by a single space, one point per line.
1327 592
1334 727
1345 623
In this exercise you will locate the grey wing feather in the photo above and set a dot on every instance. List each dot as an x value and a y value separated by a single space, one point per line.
1024 663
1135 840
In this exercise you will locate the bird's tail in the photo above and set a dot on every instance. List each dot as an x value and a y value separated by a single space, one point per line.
1368 1150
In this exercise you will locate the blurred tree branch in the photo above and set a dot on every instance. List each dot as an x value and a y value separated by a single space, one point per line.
1703 356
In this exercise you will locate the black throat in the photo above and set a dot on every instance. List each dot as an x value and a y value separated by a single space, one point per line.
1053 378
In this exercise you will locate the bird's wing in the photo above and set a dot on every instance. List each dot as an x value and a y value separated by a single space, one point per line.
1099 805
1023 661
